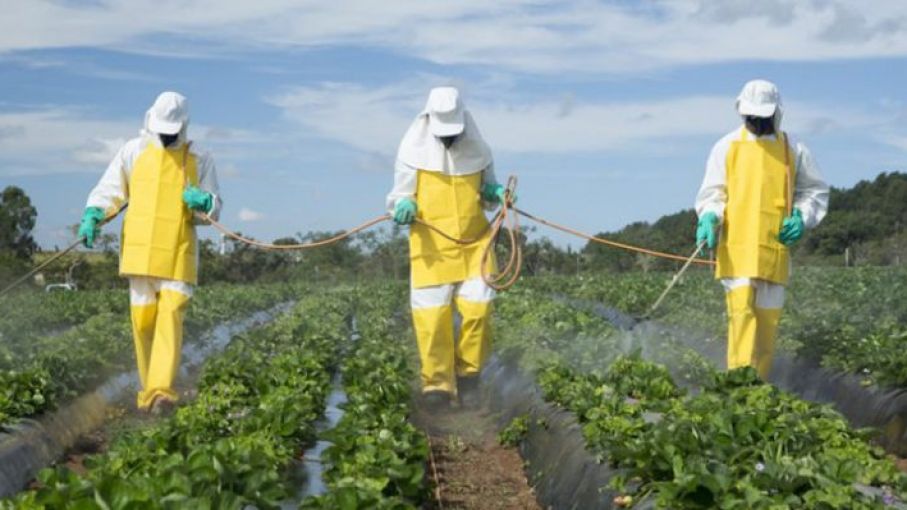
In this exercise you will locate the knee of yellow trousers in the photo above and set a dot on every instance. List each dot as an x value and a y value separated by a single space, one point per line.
143 318
473 348
434 337
173 301
741 300
742 326
168 327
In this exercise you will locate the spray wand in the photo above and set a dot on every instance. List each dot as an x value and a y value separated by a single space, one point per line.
675 279
56 257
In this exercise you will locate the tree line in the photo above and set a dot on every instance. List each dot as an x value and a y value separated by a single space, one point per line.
866 222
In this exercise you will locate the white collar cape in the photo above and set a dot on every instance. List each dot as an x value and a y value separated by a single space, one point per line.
422 150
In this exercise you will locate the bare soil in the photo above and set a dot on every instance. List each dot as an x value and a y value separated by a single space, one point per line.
470 469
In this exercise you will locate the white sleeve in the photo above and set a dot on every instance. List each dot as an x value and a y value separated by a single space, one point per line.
810 191
112 191
404 184
712 195
207 181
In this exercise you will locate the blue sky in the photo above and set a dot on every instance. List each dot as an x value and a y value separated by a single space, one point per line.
605 110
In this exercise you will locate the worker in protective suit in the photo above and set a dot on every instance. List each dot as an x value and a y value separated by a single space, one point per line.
761 190
444 175
164 179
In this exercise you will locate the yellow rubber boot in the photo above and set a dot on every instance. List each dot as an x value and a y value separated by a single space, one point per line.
143 318
434 335
475 336
767 320
165 348
741 337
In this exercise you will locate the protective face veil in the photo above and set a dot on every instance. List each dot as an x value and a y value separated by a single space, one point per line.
759 126
448 140
168 140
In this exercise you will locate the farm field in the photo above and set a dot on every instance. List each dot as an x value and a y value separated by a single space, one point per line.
255 412
672 429
56 346
851 320
682 434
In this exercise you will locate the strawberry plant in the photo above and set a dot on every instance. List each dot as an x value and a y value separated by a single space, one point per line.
849 319
377 458
231 446
515 432
734 442
55 368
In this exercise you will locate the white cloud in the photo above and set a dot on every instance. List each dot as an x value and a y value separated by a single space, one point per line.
576 35
229 170
56 140
896 141
366 118
372 120
50 140
99 151
248 215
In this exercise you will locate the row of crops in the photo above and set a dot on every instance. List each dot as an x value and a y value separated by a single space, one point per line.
56 346
848 319
682 434
377 458
235 444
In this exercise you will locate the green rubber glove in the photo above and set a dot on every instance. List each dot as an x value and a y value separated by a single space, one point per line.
706 230
198 200
88 227
495 193
791 228
404 211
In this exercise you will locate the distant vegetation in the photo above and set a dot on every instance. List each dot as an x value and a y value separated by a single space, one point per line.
867 221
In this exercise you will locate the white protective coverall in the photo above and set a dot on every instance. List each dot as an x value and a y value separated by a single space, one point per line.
446 184
159 251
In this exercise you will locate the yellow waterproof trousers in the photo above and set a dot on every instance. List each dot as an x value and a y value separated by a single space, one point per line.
751 331
443 357
157 310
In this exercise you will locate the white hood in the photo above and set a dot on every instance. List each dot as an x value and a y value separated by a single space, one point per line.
423 150
170 112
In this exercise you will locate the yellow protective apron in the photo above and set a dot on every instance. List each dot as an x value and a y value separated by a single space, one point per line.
158 233
452 203
757 201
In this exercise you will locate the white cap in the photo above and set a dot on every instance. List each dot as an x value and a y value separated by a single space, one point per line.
759 98
168 114
445 112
